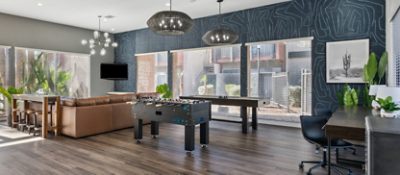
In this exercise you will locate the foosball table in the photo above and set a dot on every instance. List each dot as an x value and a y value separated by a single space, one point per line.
188 113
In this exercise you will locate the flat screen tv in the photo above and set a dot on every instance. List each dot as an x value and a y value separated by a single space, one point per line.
114 71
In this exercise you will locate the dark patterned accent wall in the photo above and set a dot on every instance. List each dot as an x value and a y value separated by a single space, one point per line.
325 20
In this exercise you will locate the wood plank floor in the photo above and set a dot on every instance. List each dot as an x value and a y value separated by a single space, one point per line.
270 150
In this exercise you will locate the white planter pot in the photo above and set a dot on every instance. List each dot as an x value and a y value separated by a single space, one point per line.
394 114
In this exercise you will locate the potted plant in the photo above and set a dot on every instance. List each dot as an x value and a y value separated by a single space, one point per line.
348 96
388 107
164 91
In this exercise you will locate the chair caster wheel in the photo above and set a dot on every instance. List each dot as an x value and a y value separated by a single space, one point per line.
309 173
138 141
301 166
204 146
154 136
350 172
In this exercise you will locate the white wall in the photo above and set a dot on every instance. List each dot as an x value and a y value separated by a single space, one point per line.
391 8
30 33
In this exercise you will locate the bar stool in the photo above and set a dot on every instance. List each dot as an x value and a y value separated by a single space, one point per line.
18 114
23 119
34 124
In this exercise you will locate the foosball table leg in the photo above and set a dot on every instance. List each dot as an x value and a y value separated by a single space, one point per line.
138 130
204 134
189 137
154 129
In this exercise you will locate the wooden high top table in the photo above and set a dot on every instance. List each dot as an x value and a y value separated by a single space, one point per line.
45 100
242 102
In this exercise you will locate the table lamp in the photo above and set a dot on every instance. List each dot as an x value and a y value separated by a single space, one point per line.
373 89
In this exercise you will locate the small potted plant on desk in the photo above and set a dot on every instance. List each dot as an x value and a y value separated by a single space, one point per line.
388 108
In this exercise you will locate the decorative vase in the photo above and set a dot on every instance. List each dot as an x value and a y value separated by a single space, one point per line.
393 114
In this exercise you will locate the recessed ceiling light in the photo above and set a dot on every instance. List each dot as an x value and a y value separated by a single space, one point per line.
39 4
167 4
112 29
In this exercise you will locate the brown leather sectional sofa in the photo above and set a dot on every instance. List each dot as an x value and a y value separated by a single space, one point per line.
89 116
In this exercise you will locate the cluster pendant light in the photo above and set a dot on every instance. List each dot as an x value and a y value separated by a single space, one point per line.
220 36
100 41
170 22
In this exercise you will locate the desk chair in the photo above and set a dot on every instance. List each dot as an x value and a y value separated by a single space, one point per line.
313 132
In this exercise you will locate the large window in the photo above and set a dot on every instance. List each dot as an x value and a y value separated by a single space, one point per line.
281 72
4 56
208 71
49 72
151 71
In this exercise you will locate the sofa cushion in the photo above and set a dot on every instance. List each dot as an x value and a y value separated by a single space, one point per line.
129 97
68 102
122 98
101 100
117 98
85 102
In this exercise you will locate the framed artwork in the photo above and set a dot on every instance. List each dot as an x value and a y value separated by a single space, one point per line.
345 61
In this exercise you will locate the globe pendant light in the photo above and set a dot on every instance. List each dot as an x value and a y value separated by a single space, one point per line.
99 41
170 22
220 36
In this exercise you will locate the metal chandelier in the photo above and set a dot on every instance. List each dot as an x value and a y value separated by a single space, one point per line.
101 40
220 36
170 22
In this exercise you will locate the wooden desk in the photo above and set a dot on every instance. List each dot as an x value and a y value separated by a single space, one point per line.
346 123
243 102
45 100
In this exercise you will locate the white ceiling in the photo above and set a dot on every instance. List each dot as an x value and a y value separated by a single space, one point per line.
129 14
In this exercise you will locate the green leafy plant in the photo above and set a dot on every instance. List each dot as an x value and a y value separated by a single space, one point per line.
7 93
295 96
373 73
375 70
382 67
40 76
370 69
232 89
387 104
164 90
367 99
350 96
340 97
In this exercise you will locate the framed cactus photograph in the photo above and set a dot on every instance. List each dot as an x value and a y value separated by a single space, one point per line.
345 61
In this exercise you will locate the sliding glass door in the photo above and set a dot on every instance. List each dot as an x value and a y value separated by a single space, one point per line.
281 72
209 71
4 57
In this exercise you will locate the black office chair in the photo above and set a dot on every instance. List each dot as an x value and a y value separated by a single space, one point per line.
313 132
